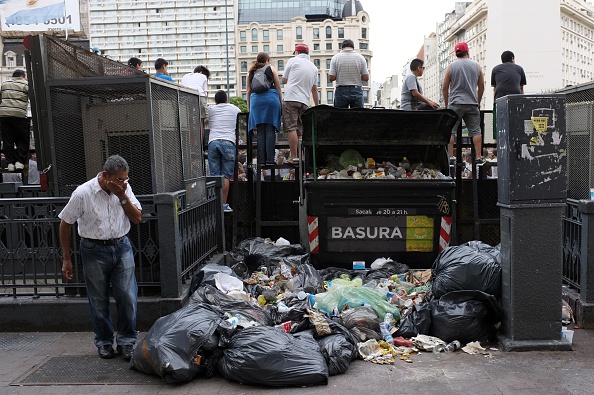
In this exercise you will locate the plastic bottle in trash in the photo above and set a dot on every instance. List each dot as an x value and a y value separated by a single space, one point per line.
385 330
389 318
437 349
453 346
405 164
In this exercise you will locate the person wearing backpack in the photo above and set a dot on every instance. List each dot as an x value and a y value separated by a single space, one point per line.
264 100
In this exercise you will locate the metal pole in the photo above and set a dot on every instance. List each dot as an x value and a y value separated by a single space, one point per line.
227 44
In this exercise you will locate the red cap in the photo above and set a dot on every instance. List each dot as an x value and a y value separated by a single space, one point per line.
301 48
461 48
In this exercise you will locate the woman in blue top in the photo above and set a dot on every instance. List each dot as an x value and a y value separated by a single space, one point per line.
265 110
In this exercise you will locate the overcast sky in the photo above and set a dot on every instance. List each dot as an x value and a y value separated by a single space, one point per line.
397 29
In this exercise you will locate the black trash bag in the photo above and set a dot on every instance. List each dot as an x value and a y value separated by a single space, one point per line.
363 322
418 322
211 295
330 273
462 268
311 281
465 316
255 252
389 269
484 247
267 356
337 351
174 340
205 275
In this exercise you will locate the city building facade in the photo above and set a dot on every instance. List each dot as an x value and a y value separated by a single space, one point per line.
322 29
186 33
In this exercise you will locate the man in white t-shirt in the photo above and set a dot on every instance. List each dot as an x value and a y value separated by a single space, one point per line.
199 80
221 141
300 78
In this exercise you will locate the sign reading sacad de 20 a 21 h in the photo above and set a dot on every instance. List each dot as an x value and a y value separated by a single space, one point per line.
39 15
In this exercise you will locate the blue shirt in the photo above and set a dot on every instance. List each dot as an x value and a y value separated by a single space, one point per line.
163 76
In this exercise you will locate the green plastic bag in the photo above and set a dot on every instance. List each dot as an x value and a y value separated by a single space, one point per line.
341 297
350 157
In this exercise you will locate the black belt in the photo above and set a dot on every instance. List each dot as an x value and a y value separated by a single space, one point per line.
107 242
349 86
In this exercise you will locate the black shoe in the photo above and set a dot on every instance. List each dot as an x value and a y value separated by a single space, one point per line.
126 351
106 351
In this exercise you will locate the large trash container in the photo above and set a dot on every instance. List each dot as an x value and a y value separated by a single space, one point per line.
353 220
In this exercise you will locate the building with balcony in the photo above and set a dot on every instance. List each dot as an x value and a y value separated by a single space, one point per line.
186 33
322 29
553 40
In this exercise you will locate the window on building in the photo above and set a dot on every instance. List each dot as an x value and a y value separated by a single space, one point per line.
319 83
254 48
363 32
328 63
317 63
299 33
244 82
328 46
363 45
244 96
266 48
328 32
243 49
328 82
316 33
279 48
244 67
316 47
330 97
281 65
254 34
266 35
365 96
341 32
279 34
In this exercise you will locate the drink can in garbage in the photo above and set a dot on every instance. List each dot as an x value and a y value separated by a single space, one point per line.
285 326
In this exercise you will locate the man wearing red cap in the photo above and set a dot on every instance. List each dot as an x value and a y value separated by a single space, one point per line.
300 80
463 87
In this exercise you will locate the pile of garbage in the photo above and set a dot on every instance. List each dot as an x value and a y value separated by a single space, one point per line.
351 165
272 319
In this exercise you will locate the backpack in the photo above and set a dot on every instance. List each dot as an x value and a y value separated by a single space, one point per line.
260 82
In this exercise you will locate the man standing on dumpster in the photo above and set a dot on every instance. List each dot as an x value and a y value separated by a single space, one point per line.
348 68
300 78
463 87
103 208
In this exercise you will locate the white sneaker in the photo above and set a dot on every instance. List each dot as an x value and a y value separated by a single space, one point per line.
19 166
10 167
227 208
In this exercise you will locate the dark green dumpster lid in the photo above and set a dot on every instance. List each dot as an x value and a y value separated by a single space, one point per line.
365 126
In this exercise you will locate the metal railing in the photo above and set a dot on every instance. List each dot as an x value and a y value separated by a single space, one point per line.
572 236
31 255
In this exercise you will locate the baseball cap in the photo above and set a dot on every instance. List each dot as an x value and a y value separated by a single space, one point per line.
461 47
301 47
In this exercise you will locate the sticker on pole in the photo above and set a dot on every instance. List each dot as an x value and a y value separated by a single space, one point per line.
540 123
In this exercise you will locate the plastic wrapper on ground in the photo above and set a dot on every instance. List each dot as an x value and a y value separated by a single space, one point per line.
342 297
206 275
463 268
267 356
171 345
465 316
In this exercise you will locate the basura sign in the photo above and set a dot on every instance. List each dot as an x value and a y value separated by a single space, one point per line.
411 233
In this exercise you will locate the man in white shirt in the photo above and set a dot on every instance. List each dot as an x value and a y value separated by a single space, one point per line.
103 208
300 79
221 142
198 80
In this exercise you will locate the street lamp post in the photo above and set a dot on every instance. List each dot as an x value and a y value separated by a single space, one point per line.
227 46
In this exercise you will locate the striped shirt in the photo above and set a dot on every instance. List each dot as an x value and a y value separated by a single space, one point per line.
100 215
348 66
15 98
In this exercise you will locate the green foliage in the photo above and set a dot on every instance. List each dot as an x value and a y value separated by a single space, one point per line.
240 103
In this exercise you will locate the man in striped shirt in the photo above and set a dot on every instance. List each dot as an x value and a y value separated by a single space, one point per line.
14 124
348 69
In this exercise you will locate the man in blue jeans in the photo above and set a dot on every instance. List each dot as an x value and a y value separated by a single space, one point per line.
348 69
222 118
103 208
